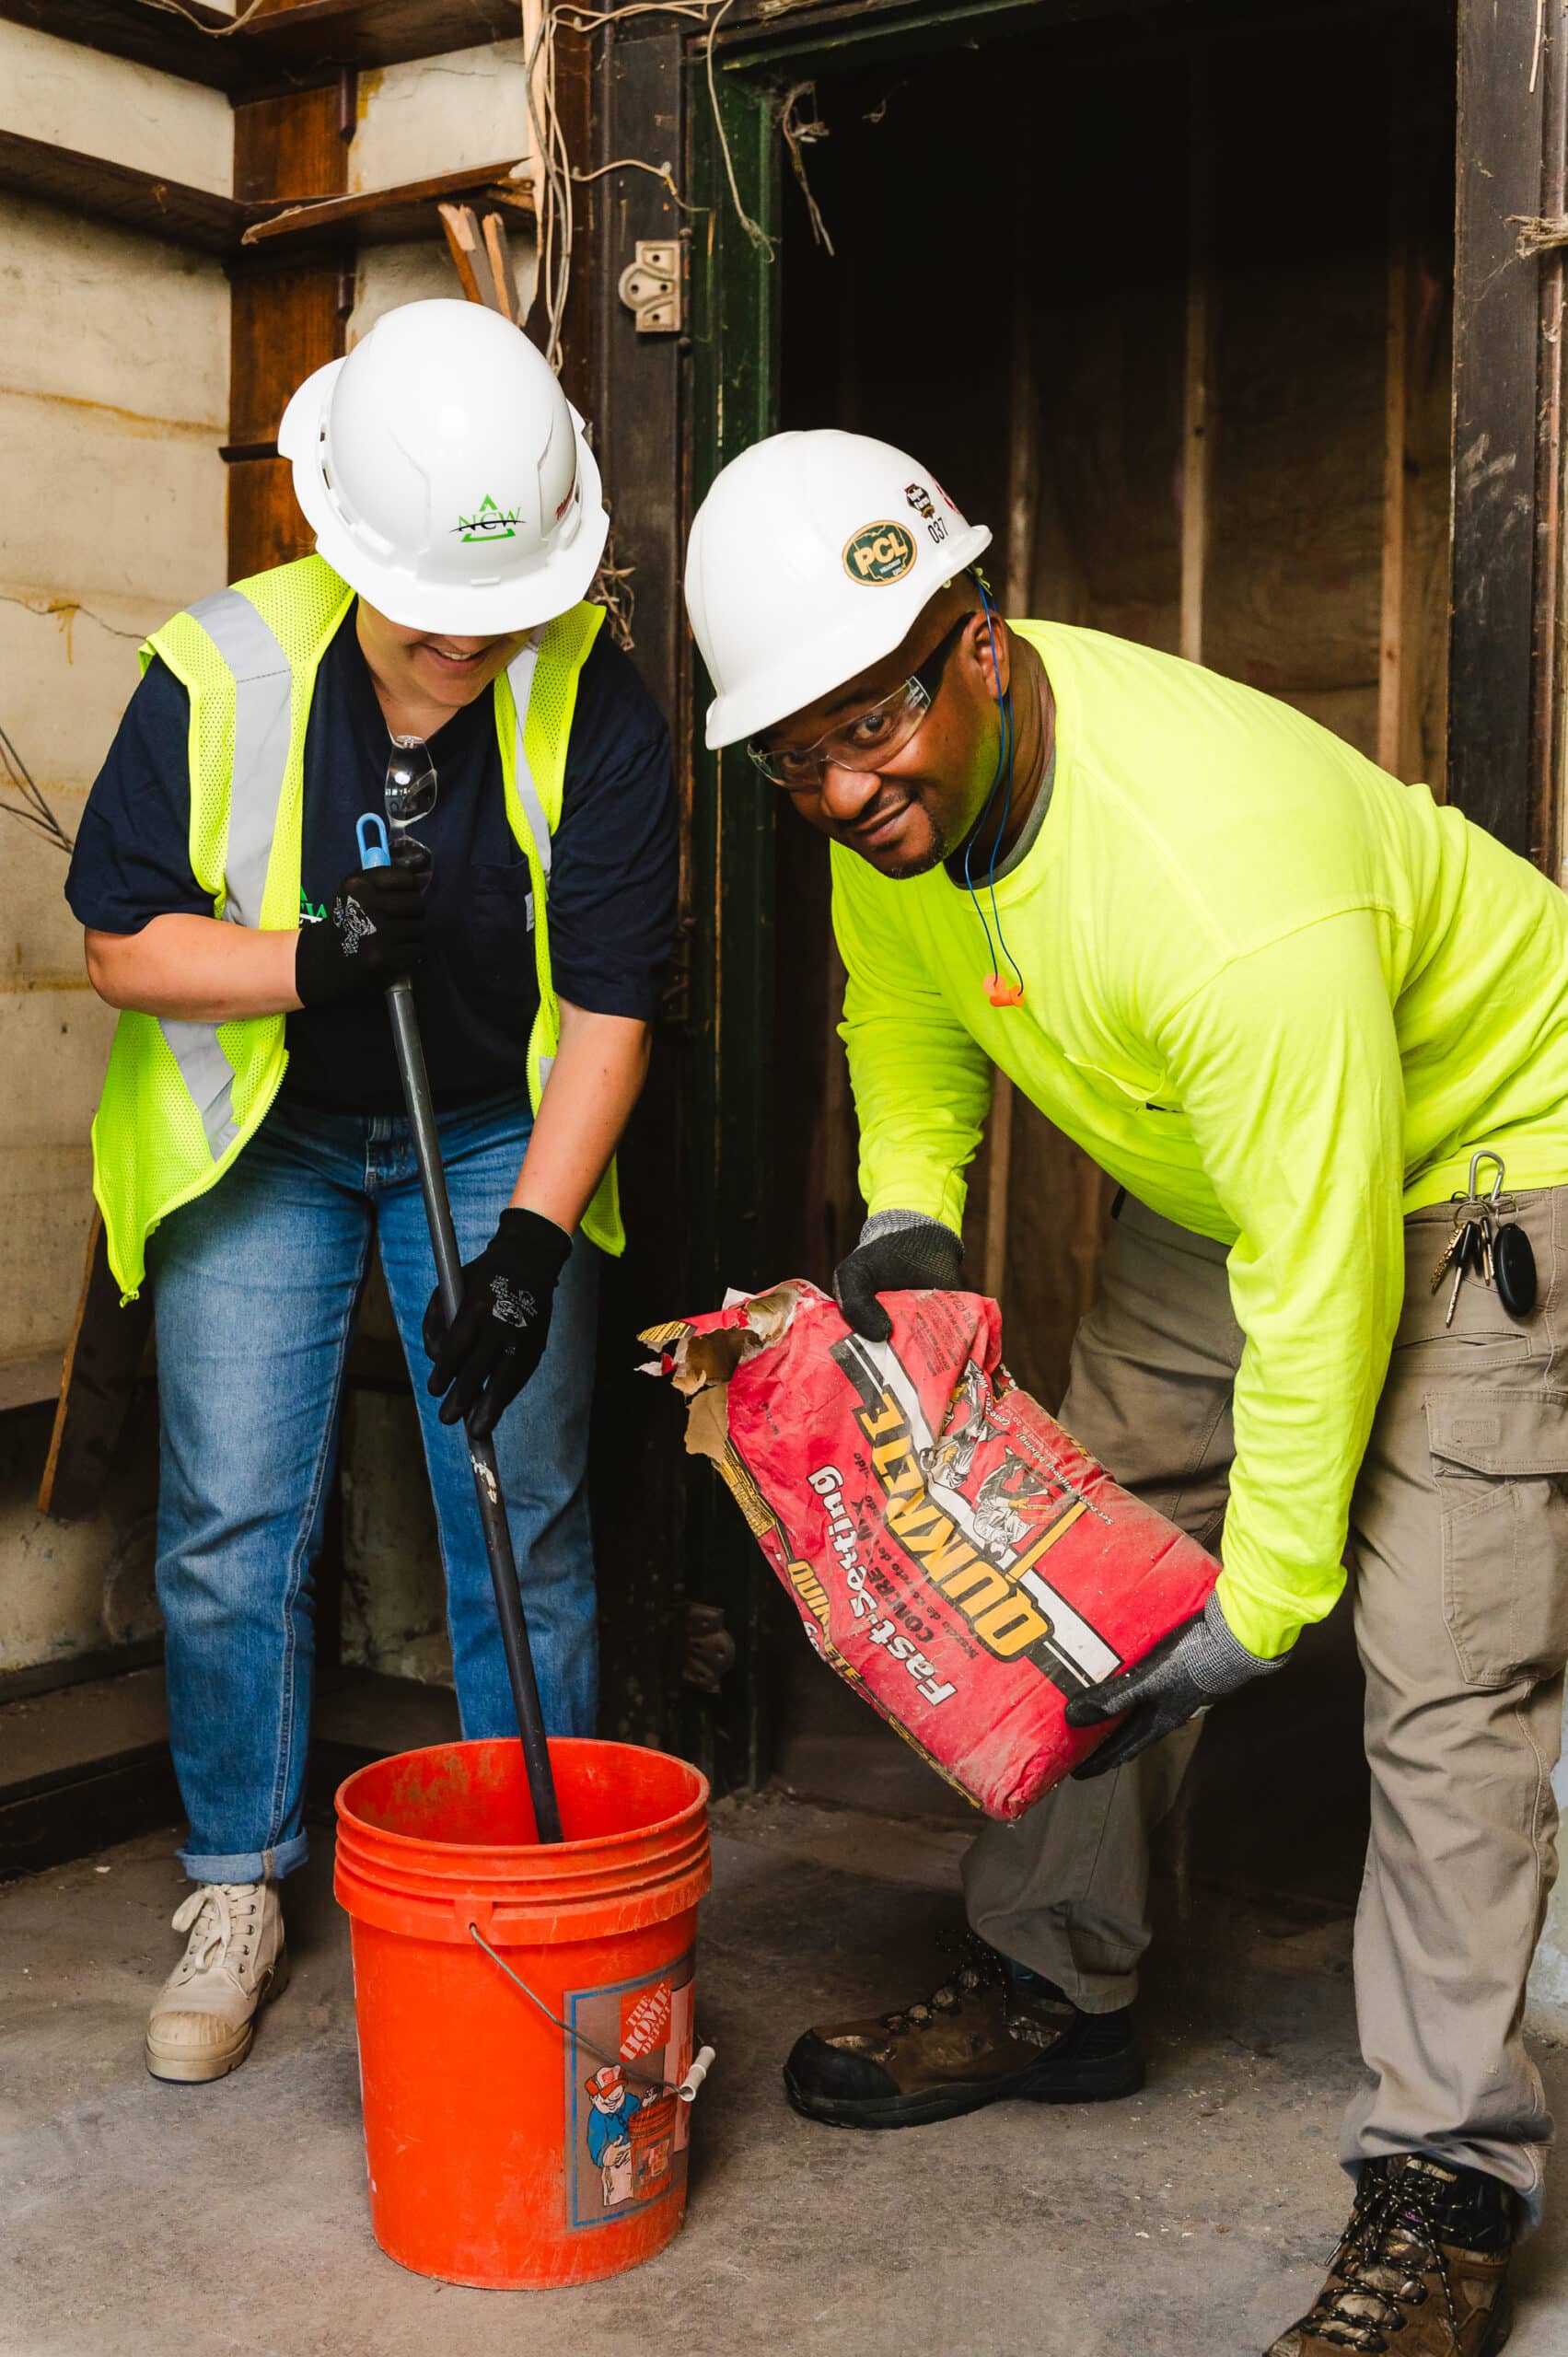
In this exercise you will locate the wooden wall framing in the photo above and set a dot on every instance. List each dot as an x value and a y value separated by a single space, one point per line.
1505 695
288 316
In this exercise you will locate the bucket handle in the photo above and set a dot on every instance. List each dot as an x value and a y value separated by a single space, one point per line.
687 2089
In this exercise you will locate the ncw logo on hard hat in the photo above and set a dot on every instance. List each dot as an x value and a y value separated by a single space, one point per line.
489 522
878 552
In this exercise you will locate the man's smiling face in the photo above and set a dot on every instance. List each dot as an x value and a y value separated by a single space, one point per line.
917 806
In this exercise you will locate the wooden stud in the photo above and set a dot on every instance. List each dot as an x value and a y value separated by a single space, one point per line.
285 319
1197 399
576 111
462 244
102 1360
501 271
1496 373
386 215
296 38
1396 374
1547 715
121 195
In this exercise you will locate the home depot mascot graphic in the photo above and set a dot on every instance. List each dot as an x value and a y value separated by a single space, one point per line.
610 2132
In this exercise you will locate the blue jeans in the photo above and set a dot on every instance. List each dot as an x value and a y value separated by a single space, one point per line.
255 1287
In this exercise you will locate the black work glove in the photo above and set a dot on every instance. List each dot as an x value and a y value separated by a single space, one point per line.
373 932
897 1252
498 1336
1183 1674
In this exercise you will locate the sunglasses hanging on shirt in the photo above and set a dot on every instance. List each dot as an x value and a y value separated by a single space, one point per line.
410 796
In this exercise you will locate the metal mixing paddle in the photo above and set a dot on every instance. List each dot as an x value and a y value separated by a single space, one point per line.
409 798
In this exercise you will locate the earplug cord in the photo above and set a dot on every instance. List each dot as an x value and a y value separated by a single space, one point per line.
1004 769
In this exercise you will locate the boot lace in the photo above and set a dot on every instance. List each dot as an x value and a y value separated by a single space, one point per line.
1383 2257
979 1967
221 1917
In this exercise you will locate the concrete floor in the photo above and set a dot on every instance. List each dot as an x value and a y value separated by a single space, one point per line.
230 2220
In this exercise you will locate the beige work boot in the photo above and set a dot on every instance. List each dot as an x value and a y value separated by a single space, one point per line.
234 1962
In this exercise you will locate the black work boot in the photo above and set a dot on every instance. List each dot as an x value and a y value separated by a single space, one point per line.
993 2031
1422 2268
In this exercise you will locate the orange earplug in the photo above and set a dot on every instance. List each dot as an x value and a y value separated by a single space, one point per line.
1003 993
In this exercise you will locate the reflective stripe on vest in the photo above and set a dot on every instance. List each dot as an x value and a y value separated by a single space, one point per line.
519 674
263 689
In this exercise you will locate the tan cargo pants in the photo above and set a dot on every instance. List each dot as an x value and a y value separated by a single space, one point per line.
1459 1549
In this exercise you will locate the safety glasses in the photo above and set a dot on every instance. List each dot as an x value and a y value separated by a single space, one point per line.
409 788
869 737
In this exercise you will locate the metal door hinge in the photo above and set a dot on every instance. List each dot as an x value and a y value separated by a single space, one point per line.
710 1648
650 287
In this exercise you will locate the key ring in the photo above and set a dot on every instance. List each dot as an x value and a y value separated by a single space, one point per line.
1487 1155
1497 1200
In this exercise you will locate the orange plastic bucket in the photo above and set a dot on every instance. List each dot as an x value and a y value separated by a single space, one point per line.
502 2149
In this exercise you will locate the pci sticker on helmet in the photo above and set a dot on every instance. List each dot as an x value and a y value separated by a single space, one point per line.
878 554
489 522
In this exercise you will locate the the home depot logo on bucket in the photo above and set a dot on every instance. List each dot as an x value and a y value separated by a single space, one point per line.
626 2135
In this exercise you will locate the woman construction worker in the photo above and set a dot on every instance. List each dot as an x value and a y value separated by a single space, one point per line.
1291 1005
250 1145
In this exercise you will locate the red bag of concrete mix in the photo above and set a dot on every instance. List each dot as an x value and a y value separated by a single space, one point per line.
952 1552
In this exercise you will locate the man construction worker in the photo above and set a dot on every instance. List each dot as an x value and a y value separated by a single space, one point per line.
1282 1000
251 1144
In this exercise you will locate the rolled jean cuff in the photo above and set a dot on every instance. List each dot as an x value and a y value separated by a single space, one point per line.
249 1866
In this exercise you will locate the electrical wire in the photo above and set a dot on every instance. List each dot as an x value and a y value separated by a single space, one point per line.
214 32
1004 768
554 170
35 811
635 164
754 229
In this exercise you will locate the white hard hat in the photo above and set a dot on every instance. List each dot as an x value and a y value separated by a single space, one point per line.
446 474
810 560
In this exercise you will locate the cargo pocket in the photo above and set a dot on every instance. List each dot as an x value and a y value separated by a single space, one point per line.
1500 1464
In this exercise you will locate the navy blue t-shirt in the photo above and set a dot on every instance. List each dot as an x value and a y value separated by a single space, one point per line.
612 886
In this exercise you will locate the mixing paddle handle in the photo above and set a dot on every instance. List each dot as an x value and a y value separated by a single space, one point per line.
481 1453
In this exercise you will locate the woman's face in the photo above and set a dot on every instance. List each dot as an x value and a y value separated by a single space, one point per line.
421 666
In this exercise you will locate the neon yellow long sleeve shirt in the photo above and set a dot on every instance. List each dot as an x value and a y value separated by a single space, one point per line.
1279 997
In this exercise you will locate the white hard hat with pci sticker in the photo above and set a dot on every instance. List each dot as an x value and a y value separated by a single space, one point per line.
810 560
446 474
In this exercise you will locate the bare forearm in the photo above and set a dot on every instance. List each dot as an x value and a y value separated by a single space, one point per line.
194 969
596 1080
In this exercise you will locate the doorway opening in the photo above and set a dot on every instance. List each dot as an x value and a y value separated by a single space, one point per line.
1167 306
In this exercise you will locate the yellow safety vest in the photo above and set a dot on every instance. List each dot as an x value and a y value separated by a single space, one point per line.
182 1100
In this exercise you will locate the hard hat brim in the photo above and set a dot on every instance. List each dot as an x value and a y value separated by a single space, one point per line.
466 609
797 679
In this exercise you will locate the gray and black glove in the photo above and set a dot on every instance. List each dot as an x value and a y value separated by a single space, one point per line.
497 1338
373 932
897 1252
1184 1673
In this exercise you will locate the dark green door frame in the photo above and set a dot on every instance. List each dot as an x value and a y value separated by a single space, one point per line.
734 378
